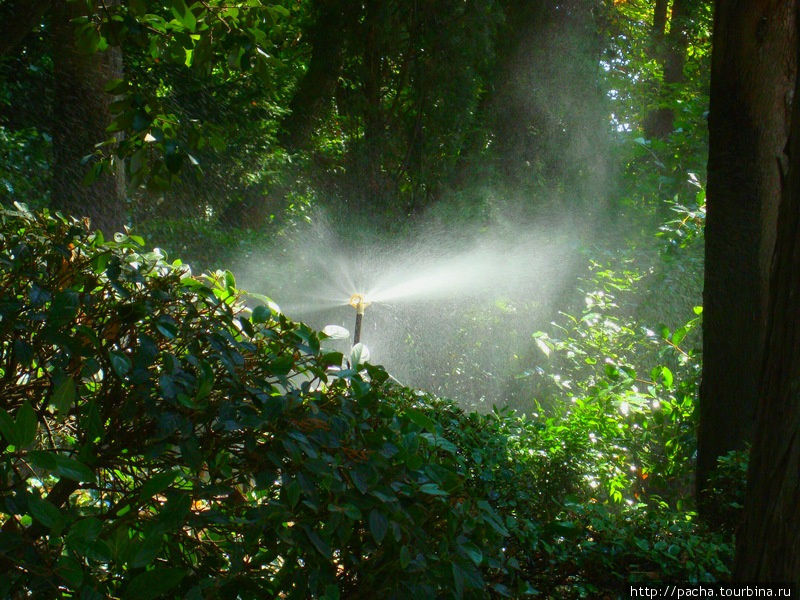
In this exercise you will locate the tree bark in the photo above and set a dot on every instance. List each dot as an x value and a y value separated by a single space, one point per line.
768 545
659 24
316 88
81 115
373 150
752 77
671 52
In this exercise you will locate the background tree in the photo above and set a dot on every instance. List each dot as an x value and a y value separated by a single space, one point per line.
752 77
81 68
669 49
143 114
83 65
768 548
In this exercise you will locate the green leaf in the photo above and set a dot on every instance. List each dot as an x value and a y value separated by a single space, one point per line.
666 377
157 483
85 530
26 425
292 493
261 314
115 86
432 489
473 552
167 328
72 469
8 428
466 574
152 584
492 518
318 542
458 581
43 460
63 397
70 570
359 354
120 363
405 557
378 525
147 551
82 539
352 511
418 417
280 10
45 512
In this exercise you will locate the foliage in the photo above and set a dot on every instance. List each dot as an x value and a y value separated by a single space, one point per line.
24 163
632 391
725 492
559 483
25 110
184 63
419 100
160 440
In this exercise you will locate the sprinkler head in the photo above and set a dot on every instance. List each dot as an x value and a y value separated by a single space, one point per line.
359 302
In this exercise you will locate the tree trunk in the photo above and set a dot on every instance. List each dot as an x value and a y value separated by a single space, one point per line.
671 52
316 88
659 24
752 77
81 115
373 149
768 545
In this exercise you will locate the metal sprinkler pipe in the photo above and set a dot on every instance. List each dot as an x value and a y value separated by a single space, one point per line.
360 303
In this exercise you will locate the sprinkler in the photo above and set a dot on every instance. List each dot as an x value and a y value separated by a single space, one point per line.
360 303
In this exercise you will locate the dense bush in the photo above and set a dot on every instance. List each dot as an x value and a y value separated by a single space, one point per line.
582 523
160 439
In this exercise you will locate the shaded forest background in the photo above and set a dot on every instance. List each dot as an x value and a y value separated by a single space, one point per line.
301 144
242 136
248 118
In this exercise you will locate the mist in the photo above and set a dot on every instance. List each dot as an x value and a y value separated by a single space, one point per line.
451 310
456 293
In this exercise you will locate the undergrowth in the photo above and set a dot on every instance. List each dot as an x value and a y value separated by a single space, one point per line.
162 440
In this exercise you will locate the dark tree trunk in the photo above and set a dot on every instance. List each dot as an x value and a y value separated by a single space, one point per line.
81 115
659 24
374 119
752 77
317 87
768 544
671 52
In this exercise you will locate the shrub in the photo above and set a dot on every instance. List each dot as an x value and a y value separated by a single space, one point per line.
554 482
160 439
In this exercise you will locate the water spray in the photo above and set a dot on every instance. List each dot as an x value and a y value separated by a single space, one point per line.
359 302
